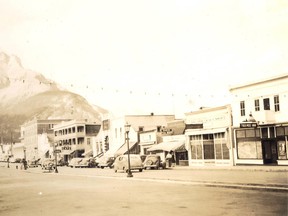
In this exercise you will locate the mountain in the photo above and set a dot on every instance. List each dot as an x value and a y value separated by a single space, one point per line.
25 94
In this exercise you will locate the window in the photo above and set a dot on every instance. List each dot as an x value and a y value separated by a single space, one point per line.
257 105
88 141
266 103
276 103
242 108
141 128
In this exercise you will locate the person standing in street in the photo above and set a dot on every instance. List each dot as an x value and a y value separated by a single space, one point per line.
169 159
8 161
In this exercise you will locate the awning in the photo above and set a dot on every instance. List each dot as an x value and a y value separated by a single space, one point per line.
123 149
89 152
146 143
168 146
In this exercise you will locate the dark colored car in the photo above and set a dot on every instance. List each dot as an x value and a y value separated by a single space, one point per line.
48 164
154 162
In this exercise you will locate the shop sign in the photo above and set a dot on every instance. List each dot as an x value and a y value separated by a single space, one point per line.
248 125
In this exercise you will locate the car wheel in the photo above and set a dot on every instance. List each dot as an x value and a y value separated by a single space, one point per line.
102 167
140 170
115 171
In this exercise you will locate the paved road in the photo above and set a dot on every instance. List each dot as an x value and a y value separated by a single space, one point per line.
246 177
103 192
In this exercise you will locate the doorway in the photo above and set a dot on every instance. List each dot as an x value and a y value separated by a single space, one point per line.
269 150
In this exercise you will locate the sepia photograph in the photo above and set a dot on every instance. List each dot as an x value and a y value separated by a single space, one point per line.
143 108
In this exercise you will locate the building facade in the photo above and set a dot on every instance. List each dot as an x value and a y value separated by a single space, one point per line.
37 137
114 135
260 121
208 136
74 138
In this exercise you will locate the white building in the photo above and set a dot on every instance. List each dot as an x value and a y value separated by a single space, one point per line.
260 121
208 137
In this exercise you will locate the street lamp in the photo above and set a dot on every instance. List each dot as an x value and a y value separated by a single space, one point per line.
55 153
127 129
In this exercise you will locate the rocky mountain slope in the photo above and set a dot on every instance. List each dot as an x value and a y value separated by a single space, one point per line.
25 94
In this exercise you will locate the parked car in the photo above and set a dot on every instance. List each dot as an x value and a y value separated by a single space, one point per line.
154 162
87 162
48 164
106 162
121 163
61 162
75 162
33 163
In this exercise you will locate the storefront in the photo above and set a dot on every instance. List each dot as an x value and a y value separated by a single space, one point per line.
208 137
262 144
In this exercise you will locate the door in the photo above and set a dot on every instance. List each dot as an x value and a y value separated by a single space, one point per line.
269 149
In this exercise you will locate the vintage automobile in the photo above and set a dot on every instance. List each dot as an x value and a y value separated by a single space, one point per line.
75 162
48 164
33 163
87 163
121 163
105 162
154 162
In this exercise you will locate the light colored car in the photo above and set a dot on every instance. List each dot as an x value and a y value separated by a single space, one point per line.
75 162
105 162
121 163
87 163
154 162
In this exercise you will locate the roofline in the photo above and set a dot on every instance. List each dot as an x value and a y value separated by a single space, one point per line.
279 77
209 109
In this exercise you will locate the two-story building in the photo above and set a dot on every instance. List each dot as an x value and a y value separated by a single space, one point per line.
260 121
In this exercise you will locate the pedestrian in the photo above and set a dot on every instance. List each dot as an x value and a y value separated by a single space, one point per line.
24 163
169 158
8 160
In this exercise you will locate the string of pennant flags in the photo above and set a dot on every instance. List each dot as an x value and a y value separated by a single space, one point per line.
110 90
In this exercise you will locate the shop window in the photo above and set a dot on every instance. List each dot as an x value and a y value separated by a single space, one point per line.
271 132
240 133
280 131
282 150
242 108
250 133
208 151
225 150
266 103
264 132
276 103
257 105
286 130
249 150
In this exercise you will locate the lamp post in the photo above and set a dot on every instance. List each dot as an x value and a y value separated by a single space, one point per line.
127 129
55 153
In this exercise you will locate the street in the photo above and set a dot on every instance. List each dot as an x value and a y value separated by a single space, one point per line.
41 193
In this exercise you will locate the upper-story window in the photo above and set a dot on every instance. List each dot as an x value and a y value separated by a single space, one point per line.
257 105
88 141
276 103
242 108
141 128
266 103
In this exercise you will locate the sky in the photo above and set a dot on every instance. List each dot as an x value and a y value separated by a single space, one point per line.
158 56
